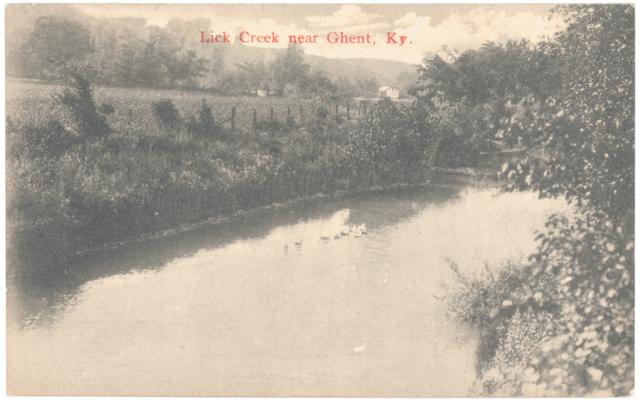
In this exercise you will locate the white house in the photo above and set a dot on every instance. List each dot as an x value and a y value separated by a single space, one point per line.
387 91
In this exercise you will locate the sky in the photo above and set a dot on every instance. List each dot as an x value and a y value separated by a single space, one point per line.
427 27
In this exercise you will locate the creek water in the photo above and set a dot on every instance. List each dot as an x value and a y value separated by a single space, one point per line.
241 309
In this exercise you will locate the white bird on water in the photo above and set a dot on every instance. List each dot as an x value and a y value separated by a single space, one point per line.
359 230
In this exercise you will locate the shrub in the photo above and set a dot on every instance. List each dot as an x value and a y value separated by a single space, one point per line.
391 142
584 265
106 109
205 125
77 99
166 113
48 140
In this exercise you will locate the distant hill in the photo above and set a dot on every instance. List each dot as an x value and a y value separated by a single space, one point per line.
386 72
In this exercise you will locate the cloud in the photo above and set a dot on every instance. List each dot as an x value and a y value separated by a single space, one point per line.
367 28
469 30
346 16
410 19
458 32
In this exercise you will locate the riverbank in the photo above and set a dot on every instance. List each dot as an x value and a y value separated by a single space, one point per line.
111 178
437 177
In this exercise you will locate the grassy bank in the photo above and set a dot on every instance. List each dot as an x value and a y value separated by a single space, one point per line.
76 179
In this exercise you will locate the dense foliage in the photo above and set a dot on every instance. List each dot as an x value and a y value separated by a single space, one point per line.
81 178
587 127
470 93
562 323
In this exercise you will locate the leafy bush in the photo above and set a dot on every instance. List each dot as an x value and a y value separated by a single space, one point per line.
593 260
587 128
49 140
562 323
106 109
166 113
467 94
392 142
77 99
204 124
582 343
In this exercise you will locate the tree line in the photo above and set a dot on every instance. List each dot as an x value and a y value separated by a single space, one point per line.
158 58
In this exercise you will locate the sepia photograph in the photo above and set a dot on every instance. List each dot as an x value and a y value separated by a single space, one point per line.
320 200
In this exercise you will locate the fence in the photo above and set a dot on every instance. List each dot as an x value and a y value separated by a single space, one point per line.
341 111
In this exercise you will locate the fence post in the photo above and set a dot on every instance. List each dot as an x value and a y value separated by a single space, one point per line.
301 115
255 120
288 113
271 114
348 109
337 117
233 118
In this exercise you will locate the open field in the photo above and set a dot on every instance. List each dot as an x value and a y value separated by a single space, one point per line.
27 100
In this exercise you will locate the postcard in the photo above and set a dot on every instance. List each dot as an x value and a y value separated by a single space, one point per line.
320 200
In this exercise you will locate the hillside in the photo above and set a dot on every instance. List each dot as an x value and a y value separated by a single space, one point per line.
386 72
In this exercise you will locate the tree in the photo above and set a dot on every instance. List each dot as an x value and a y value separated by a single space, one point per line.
182 67
318 85
54 41
289 68
157 61
586 130
138 63
367 87
482 82
253 76
77 99
584 265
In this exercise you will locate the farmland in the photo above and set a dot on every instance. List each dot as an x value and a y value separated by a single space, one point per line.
31 99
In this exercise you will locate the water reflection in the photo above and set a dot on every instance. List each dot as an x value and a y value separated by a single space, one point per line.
242 309
33 296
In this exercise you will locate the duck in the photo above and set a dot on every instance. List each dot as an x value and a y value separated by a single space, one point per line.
336 236
359 230
298 243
